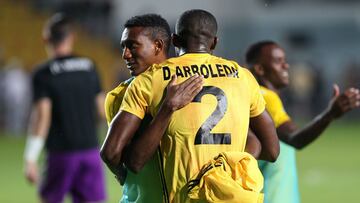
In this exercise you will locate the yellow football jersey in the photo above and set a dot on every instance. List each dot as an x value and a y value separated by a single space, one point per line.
216 121
146 185
274 106
114 99
236 178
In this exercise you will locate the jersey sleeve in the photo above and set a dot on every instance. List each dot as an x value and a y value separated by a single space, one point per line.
109 100
113 101
257 100
276 109
40 85
138 96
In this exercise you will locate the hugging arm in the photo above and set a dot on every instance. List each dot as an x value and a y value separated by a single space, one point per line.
141 149
264 129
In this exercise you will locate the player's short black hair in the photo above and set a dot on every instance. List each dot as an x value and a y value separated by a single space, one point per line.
58 27
156 24
254 51
197 23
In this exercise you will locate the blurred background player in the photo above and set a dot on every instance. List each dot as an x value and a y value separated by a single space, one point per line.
67 99
184 150
267 61
145 41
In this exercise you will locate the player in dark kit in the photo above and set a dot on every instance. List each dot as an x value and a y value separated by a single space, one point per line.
67 98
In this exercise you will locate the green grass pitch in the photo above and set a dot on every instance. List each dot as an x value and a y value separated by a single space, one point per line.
329 169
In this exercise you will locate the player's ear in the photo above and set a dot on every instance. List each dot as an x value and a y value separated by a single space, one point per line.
214 43
259 69
159 46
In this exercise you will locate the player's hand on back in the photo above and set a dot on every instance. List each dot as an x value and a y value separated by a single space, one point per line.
344 102
31 172
179 95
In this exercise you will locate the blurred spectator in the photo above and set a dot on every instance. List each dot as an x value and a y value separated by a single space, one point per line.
15 97
2 98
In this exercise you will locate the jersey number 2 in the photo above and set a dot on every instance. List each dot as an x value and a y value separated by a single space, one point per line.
203 135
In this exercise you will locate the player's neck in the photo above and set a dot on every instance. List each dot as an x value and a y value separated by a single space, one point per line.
194 49
59 51
269 85
161 59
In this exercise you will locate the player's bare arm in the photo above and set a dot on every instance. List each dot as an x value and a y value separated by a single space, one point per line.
338 106
121 130
124 126
253 145
100 103
177 96
264 129
39 126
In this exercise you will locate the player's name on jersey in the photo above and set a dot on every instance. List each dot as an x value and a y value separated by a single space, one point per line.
70 65
207 70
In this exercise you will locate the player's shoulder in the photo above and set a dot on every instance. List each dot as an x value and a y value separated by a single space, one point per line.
243 72
77 60
76 57
152 72
221 60
168 62
41 69
120 88
266 91
114 99
72 58
71 63
269 95
116 95
232 63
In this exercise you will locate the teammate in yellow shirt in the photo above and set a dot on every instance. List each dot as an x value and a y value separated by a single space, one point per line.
143 32
274 106
267 61
214 125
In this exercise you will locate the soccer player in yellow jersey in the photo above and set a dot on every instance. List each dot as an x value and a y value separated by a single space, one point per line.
215 124
267 61
145 41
